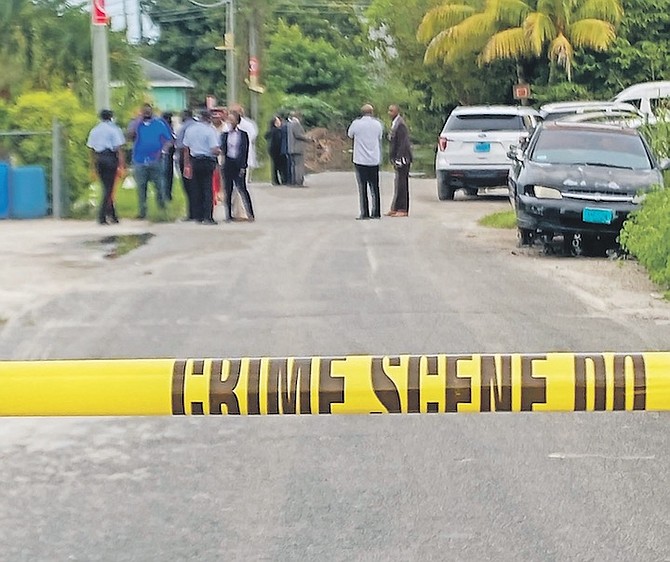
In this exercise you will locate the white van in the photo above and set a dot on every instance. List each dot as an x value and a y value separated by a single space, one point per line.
649 98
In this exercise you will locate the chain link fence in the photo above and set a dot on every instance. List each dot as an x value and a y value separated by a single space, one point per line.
24 148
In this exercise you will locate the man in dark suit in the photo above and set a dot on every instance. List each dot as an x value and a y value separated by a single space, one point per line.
400 153
235 151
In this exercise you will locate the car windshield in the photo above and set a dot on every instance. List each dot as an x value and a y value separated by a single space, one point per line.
595 148
493 122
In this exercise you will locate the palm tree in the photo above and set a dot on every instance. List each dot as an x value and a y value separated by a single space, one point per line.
513 29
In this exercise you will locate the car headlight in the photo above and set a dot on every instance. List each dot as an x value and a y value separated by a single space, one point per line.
543 192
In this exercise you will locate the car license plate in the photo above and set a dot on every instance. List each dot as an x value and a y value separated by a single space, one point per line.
598 216
483 147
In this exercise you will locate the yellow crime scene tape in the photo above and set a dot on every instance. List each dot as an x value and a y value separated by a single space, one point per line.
550 382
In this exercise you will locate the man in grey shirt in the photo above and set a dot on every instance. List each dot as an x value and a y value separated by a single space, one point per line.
367 132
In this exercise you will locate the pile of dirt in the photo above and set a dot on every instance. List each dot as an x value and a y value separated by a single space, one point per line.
330 151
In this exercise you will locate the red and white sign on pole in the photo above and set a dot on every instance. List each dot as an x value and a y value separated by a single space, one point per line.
521 91
98 12
254 69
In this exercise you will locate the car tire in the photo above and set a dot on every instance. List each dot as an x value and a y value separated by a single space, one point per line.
472 191
444 190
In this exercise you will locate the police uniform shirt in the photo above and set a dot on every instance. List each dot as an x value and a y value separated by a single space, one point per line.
105 136
179 141
201 139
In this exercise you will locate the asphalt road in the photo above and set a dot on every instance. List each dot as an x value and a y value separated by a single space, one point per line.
307 279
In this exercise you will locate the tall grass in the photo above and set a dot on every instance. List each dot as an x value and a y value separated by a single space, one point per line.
127 205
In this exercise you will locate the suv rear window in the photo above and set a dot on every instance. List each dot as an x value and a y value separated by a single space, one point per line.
484 123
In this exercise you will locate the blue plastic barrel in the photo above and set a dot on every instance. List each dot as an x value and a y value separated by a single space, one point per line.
4 190
27 192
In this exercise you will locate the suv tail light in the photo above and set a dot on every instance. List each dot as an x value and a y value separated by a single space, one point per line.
441 143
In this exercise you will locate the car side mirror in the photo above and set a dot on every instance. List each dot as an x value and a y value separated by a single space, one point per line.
664 164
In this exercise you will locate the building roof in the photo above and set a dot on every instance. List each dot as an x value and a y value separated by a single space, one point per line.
160 76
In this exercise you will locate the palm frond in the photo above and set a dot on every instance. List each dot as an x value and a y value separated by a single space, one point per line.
474 30
607 10
507 44
509 13
539 30
562 52
437 48
441 18
546 7
593 34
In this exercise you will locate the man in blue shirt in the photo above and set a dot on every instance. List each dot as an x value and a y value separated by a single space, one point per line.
150 135
106 143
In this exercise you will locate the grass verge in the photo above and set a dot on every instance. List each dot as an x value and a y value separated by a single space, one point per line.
501 219
127 206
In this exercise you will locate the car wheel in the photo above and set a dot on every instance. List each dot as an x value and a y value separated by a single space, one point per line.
472 191
444 190
525 236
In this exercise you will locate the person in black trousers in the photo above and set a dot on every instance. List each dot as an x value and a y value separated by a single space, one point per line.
235 151
277 160
168 158
186 121
201 147
400 154
286 155
106 142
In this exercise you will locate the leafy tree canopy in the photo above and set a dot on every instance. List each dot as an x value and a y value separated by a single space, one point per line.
301 66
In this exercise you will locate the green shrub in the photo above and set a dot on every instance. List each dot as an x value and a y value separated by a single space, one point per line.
646 235
658 137
35 111
315 112
563 91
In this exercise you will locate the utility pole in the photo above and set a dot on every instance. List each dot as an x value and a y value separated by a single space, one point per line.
229 47
254 64
100 61
231 78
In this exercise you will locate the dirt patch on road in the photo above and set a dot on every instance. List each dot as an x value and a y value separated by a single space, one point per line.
610 285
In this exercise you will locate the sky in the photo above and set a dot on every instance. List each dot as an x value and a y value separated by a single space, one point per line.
125 15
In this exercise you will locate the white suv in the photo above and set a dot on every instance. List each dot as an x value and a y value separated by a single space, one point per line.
472 147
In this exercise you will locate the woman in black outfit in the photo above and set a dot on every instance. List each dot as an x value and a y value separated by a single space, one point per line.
273 138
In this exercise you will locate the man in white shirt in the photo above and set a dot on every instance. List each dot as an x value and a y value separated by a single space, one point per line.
367 132
251 129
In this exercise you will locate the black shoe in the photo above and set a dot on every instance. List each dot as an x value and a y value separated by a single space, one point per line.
103 222
141 217
376 217
362 218
209 221
113 220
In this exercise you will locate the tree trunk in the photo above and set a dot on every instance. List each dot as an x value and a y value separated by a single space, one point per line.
521 78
